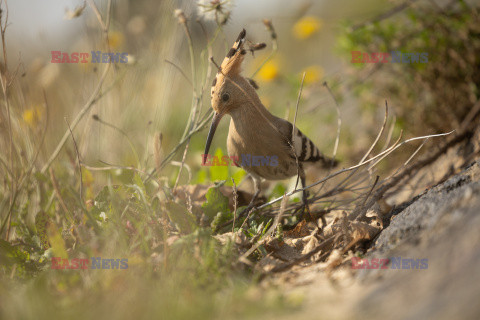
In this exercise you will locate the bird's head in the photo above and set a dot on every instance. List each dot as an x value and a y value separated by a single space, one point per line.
230 90
228 87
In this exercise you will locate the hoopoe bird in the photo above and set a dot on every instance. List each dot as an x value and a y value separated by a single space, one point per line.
254 130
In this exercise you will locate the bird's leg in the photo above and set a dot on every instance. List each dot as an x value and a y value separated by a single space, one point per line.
257 189
306 208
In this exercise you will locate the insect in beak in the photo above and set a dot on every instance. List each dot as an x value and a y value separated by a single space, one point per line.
215 121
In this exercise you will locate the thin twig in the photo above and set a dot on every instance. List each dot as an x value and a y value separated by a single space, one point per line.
56 188
181 166
96 93
235 203
157 151
94 7
293 129
4 83
193 111
27 174
358 213
379 133
78 159
111 167
389 134
167 159
123 133
209 53
371 190
408 160
339 122
360 164
180 70
273 36
337 138
91 101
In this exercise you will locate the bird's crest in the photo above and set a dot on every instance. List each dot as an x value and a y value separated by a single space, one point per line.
232 63
233 60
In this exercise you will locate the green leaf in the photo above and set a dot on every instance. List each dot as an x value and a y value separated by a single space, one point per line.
138 181
238 175
183 219
221 218
10 254
218 171
41 222
123 176
102 201
278 191
216 202
265 229
201 176
56 241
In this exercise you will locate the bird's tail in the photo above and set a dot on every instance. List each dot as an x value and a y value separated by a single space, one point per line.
307 151
327 162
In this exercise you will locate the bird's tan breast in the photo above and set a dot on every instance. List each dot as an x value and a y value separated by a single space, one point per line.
261 150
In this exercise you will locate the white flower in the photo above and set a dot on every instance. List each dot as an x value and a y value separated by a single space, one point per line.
215 10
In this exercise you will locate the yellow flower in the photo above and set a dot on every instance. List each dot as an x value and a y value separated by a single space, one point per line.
313 74
115 39
29 117
306 27
87 177
32 116
269 71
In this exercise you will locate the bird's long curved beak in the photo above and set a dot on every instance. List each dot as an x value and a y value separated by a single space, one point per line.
213 127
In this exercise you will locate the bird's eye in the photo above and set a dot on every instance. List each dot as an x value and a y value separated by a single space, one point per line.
225 96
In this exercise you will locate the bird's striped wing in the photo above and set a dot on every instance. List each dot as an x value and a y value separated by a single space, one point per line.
304 148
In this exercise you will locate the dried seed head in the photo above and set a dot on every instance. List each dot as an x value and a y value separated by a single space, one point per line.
256 46
253 83
77 12
268 24
180 16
